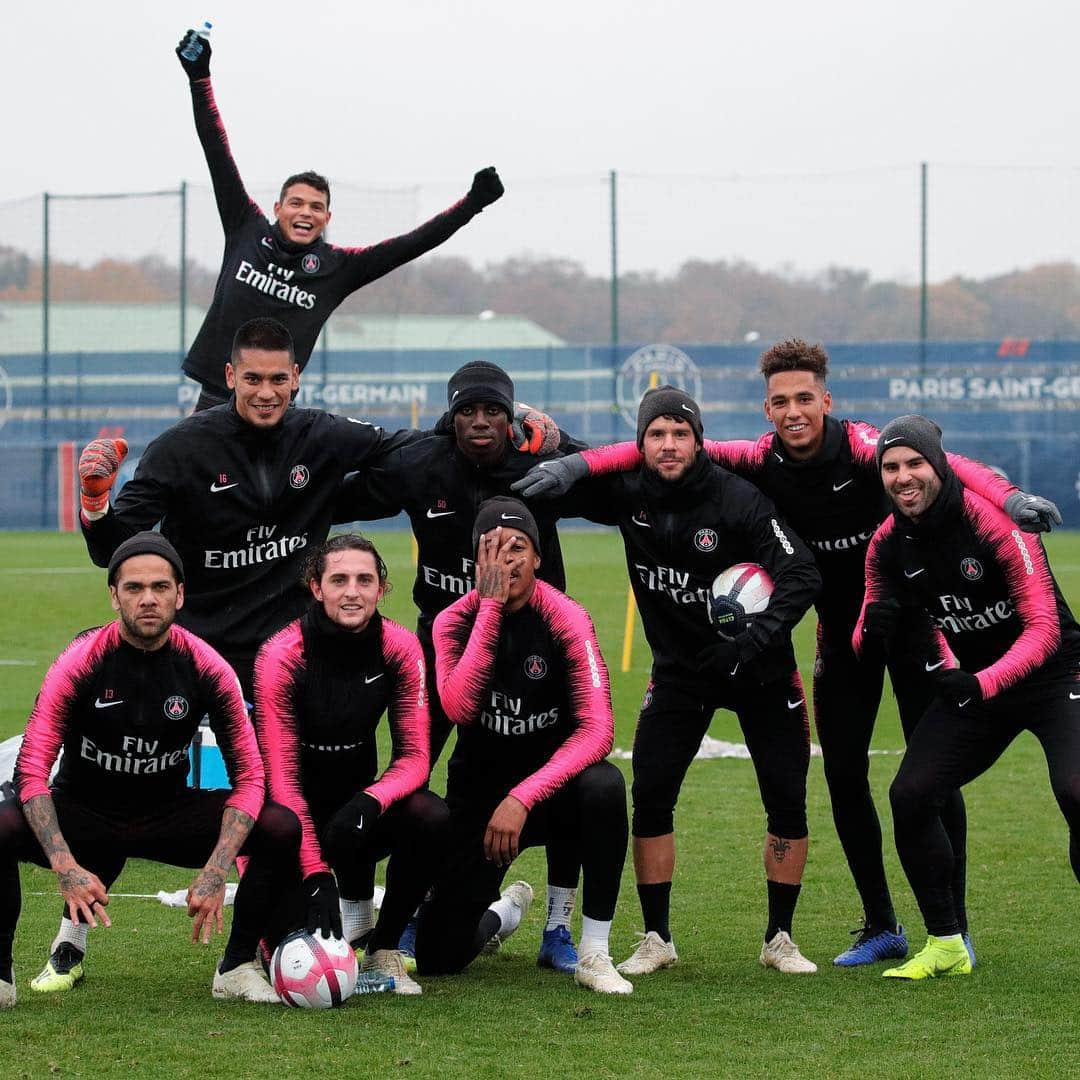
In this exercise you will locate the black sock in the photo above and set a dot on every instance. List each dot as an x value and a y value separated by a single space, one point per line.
782 901
5 971
656 907
883 918
231 960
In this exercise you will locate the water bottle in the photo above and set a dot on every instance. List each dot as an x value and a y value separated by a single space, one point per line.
373 982
193 49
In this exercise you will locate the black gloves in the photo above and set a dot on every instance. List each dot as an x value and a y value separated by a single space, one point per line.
486 188
550 479
958 687
323 907
882 621
1032 513
199 68
727 657
351 827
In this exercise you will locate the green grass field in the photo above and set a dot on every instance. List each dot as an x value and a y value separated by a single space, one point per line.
145 1006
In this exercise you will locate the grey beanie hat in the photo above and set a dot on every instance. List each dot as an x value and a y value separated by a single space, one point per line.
922 435
668 401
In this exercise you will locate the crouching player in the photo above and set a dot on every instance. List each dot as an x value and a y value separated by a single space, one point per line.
948 555
123 702
519 670
321 685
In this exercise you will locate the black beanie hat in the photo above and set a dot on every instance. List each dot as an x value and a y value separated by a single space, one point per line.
146 543
668 401
479 381
510 513
922 435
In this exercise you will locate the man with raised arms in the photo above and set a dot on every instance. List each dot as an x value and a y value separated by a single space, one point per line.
286 269
123 702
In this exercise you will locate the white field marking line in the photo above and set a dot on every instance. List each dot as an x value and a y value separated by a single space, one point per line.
51 569
17 663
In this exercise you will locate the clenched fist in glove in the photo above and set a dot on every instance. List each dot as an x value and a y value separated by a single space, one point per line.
323 905
535 431
98 465
958 687
199 68
486 188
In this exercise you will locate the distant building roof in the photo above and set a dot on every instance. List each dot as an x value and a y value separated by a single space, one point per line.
92 327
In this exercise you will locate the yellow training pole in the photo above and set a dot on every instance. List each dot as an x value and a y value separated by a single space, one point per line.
631 605
414 423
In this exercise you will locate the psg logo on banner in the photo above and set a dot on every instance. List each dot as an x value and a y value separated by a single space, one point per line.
971 569
654 365
705 540
299 476
310 264
176 707
535 667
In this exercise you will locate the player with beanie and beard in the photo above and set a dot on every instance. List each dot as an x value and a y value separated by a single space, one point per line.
948 557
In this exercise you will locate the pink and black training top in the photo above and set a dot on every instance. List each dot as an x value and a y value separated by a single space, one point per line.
320 692
986 585
125 718
262 273
529 690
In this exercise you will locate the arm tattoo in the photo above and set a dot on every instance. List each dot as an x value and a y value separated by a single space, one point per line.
780 847
235 826
41 817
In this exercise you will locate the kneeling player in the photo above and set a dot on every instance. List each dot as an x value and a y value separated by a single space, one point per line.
123 701
950 557
519 669
321 685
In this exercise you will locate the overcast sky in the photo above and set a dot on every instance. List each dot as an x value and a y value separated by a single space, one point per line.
786 133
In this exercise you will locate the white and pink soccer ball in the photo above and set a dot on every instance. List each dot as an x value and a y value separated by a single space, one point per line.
310 971
738 592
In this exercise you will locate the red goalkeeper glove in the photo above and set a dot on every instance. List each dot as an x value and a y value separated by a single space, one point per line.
98 465
536 432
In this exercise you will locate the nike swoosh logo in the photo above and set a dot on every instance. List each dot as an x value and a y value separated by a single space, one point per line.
439 513
267 243
360 823
511 517
795 704
643 524
840 487
895 438
224 487
315 893
914 573
934 667
456 392
961 704
99 704
687 408
734 669
777 456
1074 697
373 677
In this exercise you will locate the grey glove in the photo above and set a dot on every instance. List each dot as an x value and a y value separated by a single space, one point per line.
550 479
1032 513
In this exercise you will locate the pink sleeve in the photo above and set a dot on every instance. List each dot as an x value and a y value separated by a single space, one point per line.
231 725
981 479
590 697
466 638
52 710
410 724
618 457
877 586
862 440
740 455
1031 589
277 666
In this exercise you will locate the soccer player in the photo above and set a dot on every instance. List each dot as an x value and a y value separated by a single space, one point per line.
683 520
287 269
950 558
519 670
821 474
439 482
123 702
321 685
243 491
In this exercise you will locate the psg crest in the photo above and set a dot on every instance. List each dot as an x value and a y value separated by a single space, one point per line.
705 540
971 569
299 476
535 667
176 707
310 263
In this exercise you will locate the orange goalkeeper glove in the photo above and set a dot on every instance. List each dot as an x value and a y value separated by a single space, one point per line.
98 465
536 432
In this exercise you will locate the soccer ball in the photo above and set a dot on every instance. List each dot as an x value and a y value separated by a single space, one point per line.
310 971
738 592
